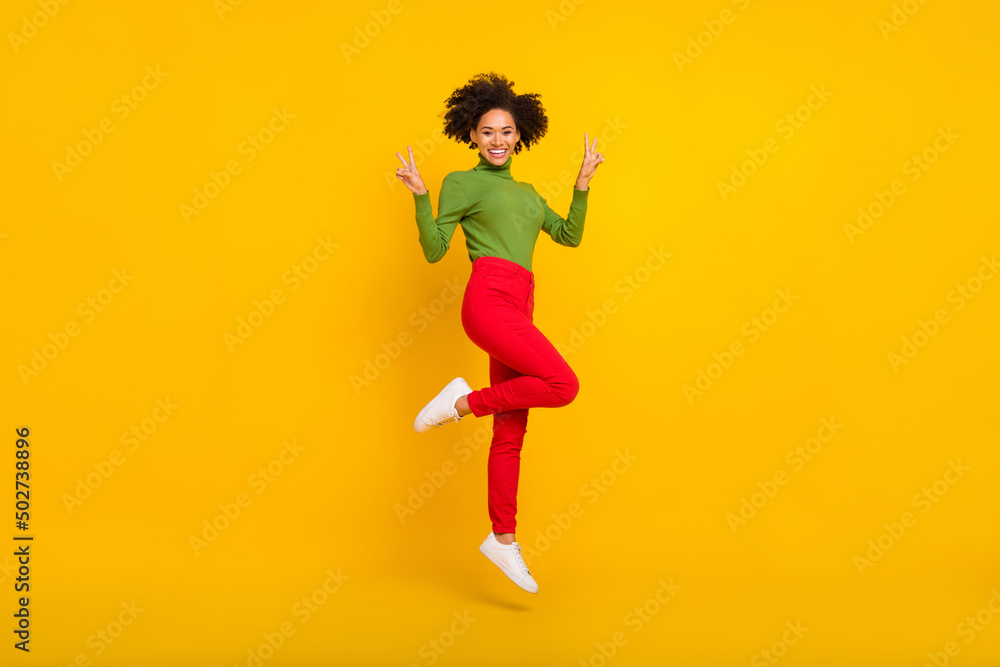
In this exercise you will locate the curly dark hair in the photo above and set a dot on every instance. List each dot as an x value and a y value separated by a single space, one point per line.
484 92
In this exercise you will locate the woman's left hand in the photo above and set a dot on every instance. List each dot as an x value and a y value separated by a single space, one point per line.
591 159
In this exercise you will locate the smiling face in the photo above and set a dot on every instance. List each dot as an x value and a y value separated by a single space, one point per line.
496 136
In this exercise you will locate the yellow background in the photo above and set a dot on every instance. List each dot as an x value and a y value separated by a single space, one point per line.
328 174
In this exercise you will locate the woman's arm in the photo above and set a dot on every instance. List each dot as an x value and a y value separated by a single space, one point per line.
435 235
567 231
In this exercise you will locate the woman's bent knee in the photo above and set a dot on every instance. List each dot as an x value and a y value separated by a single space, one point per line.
567 386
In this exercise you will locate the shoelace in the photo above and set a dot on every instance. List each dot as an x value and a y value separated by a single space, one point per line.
453 417
520 561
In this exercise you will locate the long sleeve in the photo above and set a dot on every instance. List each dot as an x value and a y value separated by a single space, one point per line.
435 235
568 231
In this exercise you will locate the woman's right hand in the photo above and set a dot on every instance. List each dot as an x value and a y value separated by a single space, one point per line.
409 175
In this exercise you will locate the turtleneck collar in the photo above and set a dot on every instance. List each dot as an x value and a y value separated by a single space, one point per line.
503 170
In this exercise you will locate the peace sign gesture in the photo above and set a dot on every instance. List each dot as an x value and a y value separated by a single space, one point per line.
409 175
591 159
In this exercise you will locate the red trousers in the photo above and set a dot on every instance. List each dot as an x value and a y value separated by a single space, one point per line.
526 371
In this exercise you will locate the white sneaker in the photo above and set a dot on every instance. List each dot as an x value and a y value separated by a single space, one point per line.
508 558
442 410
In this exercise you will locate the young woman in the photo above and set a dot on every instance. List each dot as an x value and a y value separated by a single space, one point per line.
501 219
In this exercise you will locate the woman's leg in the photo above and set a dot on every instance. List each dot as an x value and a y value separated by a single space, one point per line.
525 371
504 465
497 316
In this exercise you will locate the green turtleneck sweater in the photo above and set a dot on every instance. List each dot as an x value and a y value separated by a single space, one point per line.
500 217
